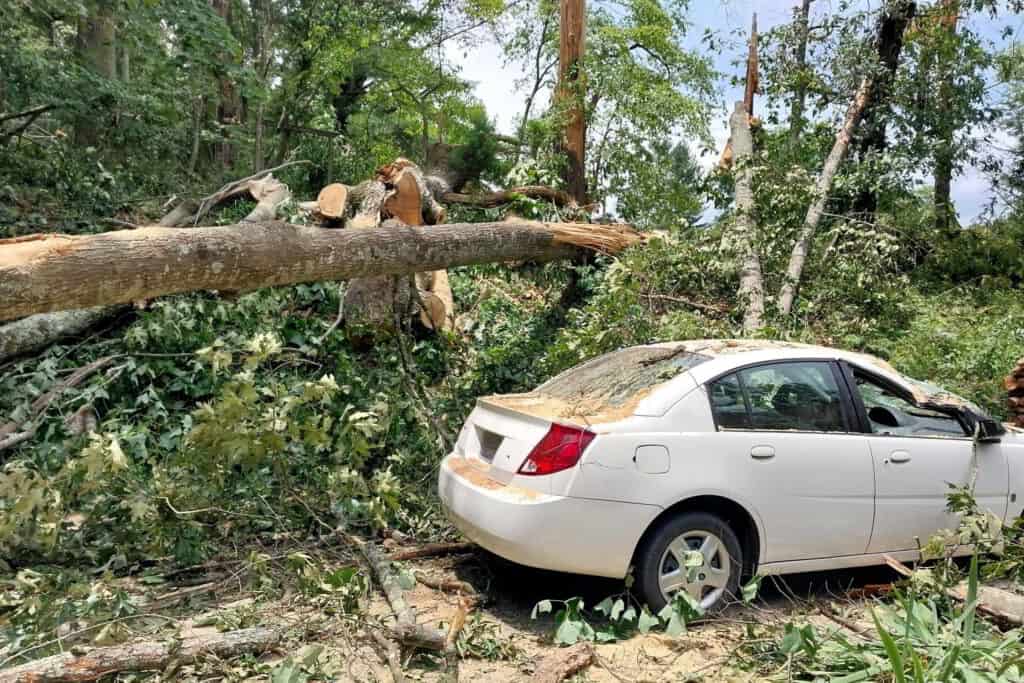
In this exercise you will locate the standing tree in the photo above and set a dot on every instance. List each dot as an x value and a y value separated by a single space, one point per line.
571 89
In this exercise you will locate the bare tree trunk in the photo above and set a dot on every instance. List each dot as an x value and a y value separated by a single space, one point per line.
751 291
228 105
796 110
198 107
45 273
821 189
257 152
570 92
944 151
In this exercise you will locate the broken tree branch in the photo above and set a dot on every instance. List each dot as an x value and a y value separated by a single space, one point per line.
46 273
143 656
13 433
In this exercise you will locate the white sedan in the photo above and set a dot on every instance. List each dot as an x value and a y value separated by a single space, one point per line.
702 462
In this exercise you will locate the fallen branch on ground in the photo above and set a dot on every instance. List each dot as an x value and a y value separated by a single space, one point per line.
432 550
13 433
994 602
142 656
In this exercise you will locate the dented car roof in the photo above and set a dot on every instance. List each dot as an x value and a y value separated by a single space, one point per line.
647 380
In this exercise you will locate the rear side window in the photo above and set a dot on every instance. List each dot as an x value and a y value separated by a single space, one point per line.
619 377
801 396
728 404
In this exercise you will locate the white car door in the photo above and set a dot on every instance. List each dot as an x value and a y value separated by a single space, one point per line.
917 454
787 431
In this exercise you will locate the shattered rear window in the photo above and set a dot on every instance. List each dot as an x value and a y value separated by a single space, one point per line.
616 378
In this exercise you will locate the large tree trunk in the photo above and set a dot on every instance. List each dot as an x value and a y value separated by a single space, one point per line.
751 291
149 655
570 93
45 273
228 104
821 189
796 109
96 46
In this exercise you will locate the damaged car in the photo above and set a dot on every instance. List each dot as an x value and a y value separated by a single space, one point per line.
696 464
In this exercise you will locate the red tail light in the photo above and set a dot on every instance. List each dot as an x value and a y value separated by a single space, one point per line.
559 450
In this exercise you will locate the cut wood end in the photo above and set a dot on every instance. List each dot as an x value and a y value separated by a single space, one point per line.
332 200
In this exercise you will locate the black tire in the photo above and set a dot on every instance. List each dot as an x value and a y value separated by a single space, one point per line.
654 547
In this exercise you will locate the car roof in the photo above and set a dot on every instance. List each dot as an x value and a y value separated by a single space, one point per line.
725 355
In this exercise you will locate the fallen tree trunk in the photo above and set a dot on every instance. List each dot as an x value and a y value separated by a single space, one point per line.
143 656
51 272
37 332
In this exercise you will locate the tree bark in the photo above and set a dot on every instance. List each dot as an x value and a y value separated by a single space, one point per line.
571 88
796 110
37 332
96 46
142 656
46 273
821 189
944 151
751 291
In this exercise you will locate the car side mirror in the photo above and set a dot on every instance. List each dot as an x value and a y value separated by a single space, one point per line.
883 416
988 431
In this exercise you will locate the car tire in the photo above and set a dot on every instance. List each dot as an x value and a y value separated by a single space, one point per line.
657 564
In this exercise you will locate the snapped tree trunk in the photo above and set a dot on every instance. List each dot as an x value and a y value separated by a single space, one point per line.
821 189
46 273
751 291
888 46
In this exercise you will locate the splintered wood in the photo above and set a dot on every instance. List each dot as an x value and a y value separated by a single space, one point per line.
1014 384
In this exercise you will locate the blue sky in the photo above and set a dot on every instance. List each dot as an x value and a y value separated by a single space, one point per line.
493 80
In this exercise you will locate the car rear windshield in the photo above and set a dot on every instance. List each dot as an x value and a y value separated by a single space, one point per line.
616 378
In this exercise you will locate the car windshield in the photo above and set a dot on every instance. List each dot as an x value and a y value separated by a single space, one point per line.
939 395
616 378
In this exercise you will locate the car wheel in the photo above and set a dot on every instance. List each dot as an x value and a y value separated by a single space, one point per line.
661 562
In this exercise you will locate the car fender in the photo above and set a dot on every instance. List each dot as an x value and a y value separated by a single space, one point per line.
668 504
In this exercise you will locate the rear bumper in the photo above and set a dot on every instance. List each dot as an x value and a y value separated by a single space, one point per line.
578 535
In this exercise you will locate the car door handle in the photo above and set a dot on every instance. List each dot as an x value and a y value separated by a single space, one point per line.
899 456
762 452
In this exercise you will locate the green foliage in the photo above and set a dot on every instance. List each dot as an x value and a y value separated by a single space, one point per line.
620 618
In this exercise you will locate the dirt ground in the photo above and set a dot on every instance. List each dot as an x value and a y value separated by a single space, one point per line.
502 624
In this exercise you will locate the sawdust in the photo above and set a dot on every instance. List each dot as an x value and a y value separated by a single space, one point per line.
477 474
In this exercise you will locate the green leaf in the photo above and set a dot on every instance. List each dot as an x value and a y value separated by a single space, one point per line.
542 607
647 621
604 607
568 632
751 588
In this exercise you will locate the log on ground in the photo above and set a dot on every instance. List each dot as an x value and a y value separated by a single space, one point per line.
143 656
53 272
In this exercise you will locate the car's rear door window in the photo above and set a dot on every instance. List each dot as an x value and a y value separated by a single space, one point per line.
797 396
728 404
